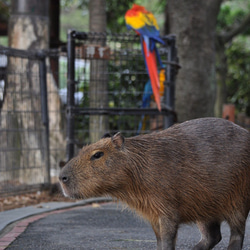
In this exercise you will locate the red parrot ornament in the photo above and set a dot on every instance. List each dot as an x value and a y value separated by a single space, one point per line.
145 25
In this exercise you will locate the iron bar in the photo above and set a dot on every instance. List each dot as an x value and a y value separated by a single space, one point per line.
120 111
70 94
45 116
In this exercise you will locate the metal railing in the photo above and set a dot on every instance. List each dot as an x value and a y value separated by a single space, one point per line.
24 123
114 61
44 108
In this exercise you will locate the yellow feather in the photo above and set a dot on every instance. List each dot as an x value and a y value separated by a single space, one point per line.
140 20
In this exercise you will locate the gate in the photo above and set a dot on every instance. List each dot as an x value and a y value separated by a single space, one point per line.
105 86
24 124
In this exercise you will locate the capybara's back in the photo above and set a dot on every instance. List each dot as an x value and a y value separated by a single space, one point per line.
197 171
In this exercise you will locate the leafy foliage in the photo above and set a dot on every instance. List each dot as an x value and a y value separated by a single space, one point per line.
238 76
232 14
115 11
115 14
4 10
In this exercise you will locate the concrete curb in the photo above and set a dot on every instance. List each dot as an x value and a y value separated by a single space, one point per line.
11 216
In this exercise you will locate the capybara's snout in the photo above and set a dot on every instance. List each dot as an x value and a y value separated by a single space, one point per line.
65 179
64 176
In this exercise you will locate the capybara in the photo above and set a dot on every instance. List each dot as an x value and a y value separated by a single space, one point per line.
197 171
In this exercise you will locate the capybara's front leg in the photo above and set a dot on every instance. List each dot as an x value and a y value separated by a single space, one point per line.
168 232
156 228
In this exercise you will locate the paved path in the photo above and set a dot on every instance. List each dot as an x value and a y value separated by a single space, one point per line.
103 226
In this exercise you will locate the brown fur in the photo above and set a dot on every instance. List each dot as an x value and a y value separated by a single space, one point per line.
197 171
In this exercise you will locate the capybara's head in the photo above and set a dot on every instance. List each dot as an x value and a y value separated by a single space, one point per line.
96 170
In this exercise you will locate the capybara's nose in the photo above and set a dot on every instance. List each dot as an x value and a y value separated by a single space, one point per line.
63 178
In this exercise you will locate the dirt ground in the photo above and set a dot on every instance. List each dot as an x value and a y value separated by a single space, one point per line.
31 199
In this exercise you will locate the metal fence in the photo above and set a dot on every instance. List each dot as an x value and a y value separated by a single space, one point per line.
24 149
106 83
32 120
54 102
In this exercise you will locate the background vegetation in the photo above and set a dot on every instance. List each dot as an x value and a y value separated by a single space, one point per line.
75 15
237 54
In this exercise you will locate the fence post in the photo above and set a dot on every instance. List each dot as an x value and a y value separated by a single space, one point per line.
170 85
44 107
70 93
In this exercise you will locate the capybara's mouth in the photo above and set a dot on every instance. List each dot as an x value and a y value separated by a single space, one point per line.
70 194
64 190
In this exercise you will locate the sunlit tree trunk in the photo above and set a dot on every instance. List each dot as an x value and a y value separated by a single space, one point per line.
20 117
20 114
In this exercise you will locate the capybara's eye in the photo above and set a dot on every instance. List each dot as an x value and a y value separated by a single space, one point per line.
97 155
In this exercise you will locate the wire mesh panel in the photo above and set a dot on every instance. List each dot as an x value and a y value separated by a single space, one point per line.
57 96
107 79
23 121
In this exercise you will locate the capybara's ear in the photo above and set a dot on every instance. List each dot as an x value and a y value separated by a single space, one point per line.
118 140
62 164
107 135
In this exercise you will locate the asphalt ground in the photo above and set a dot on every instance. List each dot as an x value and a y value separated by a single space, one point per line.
102 226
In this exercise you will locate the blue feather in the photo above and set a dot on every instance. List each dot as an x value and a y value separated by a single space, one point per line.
147 93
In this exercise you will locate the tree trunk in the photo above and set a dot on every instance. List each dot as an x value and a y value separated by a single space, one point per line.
98 125
21 122
194 24
221 76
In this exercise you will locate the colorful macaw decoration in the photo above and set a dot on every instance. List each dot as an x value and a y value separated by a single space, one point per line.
145 25
146 98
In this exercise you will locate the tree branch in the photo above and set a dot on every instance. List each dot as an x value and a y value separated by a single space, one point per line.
226 37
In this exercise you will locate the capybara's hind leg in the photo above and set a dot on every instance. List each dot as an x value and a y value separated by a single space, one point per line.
210 235
237 226
236 238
